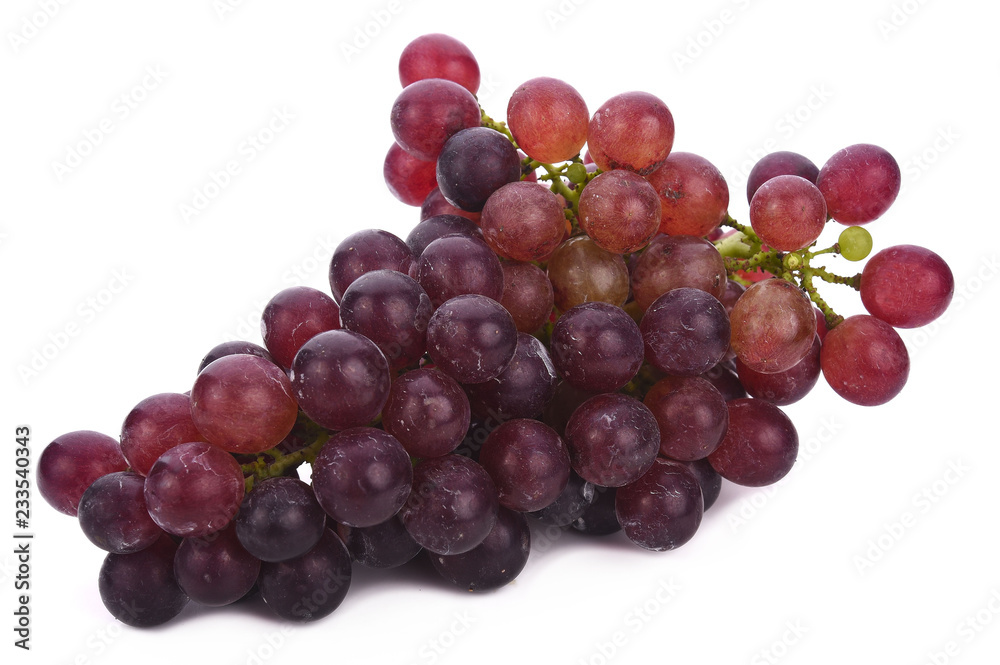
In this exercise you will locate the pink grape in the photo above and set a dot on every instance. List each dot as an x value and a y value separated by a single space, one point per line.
439 56
548 119
788 213
633 130
906 286
864 360
693 194
859 183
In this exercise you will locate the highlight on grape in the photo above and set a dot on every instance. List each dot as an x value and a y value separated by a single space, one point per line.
576 336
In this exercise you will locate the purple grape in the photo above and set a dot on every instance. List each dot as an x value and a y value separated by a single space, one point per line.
139 589
759 447
685 332
524 386
438 226
493 563
243 404
453 504
471 338
390 309
280 519
708 478
691 414
232 348
570 505
215 570
292 317
454 265
194 489
663 508
113 514
528 462
154 426
71 462
384 545
780 163
340 379
783 388
362 476
596 347
600 518
427 411
612 439
473 164
310 586
365 251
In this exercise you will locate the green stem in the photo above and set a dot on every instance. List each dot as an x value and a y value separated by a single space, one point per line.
261 468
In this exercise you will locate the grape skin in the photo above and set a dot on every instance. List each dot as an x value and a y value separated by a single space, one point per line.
864 360
71 462
906 286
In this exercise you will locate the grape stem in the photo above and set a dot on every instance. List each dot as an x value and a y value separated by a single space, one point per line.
742 251
273 463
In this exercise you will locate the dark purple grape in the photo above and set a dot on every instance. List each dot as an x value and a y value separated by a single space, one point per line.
310 586
760 445
139 589
570 505
691 414
723 376
154 426
564 402
612 439
435 204
453 504
365 251
454 265
427 411
280 519
194 489
390 309
243 404
780 163
708 478
471 338
600 518
438 226
783 388
385 545
292 317
473 164
231 348
215 570
362 476
685 332
524 386
528 462
596 347
71 462
493 563
663 508
341 379
113 514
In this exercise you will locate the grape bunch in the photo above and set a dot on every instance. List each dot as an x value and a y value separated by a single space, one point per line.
576 334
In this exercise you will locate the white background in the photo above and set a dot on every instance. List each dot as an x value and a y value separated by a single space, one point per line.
873 549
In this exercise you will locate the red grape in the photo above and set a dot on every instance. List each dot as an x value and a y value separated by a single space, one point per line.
633 130
906 286
864 360
620 211
548 119
439 56
693 194
859 183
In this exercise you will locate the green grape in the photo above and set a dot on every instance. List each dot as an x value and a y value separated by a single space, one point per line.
855 243
576 173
